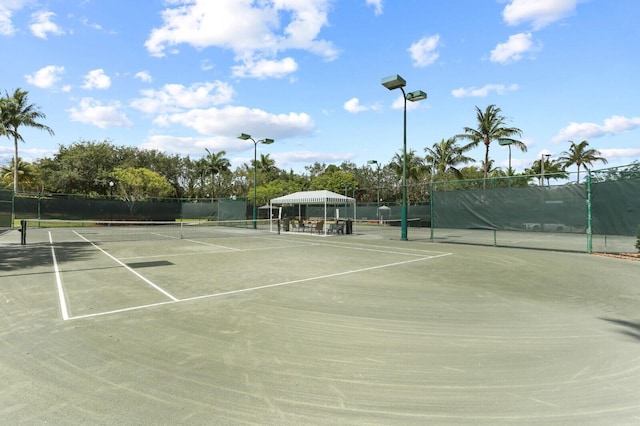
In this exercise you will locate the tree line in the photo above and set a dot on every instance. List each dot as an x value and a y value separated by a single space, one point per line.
103 169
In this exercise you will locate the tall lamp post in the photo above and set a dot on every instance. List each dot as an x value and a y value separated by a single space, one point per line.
508 142
396 82
377 186
545 158
265 141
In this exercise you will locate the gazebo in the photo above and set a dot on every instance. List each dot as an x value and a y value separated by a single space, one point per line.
323 197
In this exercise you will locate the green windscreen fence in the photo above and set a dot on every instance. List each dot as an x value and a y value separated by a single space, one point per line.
599 214
74 207
6 207
615 207
552 209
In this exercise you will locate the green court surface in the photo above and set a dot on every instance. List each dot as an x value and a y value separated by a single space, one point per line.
256 327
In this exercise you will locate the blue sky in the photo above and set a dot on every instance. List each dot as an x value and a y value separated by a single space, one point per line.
184 75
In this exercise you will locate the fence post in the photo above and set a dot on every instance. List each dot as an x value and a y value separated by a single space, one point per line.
431 208
589 231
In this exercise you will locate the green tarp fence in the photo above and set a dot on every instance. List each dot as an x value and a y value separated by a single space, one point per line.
6 207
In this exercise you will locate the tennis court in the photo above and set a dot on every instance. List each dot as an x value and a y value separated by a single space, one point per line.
247 326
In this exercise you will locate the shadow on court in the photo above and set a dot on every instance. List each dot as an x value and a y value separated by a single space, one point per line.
631 329
24 258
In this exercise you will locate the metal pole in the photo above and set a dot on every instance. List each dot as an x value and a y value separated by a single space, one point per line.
589 230
255 187
403 235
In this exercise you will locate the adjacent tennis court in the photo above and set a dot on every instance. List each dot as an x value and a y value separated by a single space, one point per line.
234 325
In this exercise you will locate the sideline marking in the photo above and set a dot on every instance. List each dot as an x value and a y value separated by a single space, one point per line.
63 301
130 269
262 287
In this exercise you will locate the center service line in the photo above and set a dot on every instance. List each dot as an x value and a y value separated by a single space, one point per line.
175 299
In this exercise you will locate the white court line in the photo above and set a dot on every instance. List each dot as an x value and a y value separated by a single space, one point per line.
262 287
337 274
408 251
194 241
61 296
130 269
217 252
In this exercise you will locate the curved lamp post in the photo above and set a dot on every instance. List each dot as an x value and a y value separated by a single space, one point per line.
377 186
508 142
265 141
396 82
543 160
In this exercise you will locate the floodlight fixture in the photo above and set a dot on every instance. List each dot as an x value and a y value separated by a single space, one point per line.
394 82
418 95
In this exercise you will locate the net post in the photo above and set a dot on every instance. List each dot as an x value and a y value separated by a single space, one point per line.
23 232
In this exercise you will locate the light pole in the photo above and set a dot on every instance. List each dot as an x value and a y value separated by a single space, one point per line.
265 141
377 187
542 161
508 142
111 185
396 82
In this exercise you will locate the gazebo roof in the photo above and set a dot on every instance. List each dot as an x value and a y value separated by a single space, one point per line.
313 197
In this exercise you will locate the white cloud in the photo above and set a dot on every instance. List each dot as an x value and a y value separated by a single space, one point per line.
42 24
190 145
424 52
94 112
539 12
96 79
7 8
612 154
228 120
377 6
481 92
265 68
176 97
45 77
254 31
144 76
399 104
584 131
513 49
353 106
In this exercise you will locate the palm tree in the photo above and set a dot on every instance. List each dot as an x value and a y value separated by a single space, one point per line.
266 163
215 163
18 112
580 156
446 155
491 126
553 169
26 171
415 165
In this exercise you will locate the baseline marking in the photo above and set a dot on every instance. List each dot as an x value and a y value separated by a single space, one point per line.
175 299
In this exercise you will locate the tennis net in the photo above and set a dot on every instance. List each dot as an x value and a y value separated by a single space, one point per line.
40 230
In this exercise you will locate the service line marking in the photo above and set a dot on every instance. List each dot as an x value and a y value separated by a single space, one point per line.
262 287
124 265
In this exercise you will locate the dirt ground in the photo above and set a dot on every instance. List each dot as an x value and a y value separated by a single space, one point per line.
625 256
